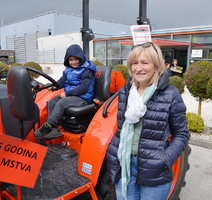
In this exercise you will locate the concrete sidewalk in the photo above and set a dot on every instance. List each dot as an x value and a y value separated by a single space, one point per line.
192 106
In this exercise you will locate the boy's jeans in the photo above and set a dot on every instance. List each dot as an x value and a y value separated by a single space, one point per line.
140 192
57 106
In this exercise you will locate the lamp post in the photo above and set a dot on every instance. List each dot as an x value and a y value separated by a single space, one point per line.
87 33
2 21
142 19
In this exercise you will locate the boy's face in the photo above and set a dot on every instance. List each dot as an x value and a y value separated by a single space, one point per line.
74 61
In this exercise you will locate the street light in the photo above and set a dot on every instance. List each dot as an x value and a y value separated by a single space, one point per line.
142 19
2 21
87 33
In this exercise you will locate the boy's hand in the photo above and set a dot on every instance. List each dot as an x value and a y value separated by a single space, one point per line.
49 88
62 95
52 88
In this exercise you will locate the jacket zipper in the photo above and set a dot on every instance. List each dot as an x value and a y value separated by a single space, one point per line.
140 137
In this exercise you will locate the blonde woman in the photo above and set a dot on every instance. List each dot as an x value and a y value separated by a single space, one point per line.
140 158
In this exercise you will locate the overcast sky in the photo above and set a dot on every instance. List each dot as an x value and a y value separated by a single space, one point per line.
162 13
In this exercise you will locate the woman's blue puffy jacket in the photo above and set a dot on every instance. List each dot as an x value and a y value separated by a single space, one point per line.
165 114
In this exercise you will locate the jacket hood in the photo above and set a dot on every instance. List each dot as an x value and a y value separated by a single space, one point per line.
163 81
74 50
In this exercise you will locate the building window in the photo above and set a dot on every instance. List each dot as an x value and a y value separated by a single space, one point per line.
113 53
182 38
125 51
210 54
205 38
168 56
100 51
167 37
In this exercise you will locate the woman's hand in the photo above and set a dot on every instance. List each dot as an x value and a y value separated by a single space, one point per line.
62 95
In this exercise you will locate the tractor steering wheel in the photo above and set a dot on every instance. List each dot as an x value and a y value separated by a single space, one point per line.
37 86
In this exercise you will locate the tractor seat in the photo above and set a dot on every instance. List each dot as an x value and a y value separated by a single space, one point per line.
20 100
77 119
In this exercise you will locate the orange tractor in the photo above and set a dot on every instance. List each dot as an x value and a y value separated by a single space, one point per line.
74 165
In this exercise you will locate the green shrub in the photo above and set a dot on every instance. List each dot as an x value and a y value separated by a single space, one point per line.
209 87
178 83
4 68
123 69
112 67
195 122
33 65
96 62
197 77
14 64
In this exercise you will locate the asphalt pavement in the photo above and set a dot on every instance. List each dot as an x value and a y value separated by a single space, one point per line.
199 176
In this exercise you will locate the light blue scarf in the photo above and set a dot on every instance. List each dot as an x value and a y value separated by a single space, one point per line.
136 108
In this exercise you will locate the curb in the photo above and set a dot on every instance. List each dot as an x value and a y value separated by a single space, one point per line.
200 142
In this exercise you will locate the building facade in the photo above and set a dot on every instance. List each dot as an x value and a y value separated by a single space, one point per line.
45 38
175 44
23 36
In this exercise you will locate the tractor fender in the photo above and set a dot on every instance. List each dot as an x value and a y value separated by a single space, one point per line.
96 140
95 143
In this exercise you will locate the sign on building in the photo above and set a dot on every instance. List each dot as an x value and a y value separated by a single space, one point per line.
141 34
197 53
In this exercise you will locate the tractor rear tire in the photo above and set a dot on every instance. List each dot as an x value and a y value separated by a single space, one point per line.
105 190
184 167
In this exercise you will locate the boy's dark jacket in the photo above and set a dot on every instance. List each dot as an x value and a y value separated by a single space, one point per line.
165 114
78 81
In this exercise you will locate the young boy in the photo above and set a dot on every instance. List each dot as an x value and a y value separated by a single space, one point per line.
78 83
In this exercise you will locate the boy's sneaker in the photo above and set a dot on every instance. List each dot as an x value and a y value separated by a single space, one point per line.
52 134
42 130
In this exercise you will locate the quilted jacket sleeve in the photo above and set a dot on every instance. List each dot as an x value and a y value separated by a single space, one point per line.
178 127
113 164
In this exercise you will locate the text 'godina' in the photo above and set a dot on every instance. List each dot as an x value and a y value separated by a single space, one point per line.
19 151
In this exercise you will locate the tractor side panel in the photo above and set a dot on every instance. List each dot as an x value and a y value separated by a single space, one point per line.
1 124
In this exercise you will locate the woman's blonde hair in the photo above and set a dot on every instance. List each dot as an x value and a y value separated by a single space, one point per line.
152 54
